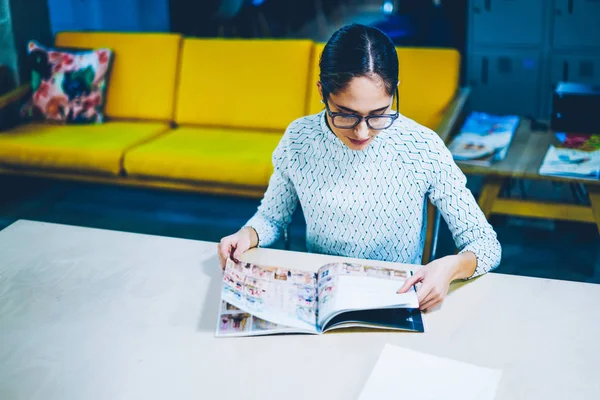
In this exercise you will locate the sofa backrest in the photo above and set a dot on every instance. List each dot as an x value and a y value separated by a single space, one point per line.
142 79
428 81
257 83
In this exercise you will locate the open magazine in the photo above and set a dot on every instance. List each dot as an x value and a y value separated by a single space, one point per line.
260 300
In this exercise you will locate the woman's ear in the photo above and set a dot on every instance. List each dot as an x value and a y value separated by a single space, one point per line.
320 87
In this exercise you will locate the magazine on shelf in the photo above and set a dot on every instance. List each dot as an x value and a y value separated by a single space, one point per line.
262 300
484 138
577 156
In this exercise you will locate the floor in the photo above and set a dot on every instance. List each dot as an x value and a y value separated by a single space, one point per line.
567 251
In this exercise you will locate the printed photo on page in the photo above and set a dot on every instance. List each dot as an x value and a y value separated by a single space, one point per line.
235 322
282 296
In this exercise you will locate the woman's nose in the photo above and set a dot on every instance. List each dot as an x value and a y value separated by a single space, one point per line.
362 130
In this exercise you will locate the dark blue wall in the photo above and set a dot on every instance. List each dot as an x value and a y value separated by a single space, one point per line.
109 15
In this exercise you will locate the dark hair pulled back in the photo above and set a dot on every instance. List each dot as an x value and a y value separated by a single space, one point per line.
358 50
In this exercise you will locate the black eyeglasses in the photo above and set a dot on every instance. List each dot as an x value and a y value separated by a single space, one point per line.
350 121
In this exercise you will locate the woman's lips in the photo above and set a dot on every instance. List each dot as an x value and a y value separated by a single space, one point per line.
358 142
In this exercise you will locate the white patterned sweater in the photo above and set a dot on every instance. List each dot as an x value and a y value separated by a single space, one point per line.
371 204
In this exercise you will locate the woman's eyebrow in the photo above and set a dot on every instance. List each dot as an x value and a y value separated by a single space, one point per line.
356 112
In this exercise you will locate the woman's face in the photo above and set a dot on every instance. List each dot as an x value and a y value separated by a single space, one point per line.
363 96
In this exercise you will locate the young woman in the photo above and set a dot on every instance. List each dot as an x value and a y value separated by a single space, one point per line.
362 173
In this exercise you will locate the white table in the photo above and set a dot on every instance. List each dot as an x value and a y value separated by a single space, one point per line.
93 314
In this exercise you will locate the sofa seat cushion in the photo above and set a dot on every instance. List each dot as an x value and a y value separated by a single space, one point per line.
97 148
219 155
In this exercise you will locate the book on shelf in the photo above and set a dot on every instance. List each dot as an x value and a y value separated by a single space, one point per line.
576 156
263 300
484 138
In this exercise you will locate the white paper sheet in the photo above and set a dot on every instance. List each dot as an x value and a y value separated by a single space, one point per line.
406 374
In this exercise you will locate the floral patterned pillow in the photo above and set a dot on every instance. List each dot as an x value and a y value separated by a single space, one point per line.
68 86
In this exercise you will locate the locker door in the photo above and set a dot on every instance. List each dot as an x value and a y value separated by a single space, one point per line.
507 21
570 68
505 83
576 23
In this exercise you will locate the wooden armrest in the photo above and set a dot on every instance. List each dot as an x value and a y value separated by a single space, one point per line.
453 113
14 96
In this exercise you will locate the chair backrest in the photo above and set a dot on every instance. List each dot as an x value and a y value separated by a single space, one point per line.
428 82
260 84
142 78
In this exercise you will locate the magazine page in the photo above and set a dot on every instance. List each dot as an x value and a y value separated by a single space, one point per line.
391 318
281 296
484 138
235 322
351 287
571 163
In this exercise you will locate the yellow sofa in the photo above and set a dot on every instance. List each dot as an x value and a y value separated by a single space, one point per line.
139 107
234 100
206 114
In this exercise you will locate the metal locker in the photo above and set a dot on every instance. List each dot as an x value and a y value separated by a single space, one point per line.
507 22
570 68
505 83
576 23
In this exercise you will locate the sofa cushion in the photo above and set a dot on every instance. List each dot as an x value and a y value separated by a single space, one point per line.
143 74
428 82
260 84
68 86
226 156
96 148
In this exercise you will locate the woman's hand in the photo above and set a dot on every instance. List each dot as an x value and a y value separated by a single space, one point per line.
235 245
436 277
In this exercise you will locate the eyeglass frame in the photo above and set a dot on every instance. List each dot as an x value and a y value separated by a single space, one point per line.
359 118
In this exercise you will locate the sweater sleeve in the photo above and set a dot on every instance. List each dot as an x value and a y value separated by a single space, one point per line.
470 229
279 202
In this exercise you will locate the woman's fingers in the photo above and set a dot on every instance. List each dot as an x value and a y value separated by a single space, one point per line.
430 304
224 250
237 252
243 242
234 246
410 282
432 299
423 293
